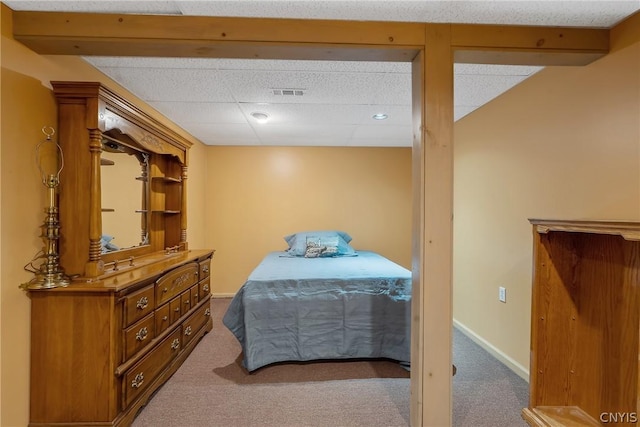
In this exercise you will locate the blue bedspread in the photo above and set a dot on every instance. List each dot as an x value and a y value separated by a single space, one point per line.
298 309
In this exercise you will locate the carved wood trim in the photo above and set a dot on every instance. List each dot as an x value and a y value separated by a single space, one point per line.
629 230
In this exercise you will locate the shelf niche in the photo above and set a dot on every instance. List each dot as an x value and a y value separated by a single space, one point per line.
584 323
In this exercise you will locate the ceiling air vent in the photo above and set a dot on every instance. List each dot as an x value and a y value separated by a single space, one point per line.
288 92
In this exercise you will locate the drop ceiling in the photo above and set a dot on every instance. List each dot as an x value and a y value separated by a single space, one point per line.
319 103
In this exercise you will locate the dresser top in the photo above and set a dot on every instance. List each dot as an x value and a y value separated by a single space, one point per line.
145 268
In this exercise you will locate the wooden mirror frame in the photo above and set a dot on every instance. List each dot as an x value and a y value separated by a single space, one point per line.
87 110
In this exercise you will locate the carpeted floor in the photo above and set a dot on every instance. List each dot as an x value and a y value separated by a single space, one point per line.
212 389
485 392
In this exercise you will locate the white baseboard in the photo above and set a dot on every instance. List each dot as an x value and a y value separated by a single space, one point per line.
520 370
223 295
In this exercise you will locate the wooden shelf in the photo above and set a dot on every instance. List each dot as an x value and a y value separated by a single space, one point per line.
108 210
141 211
558 416
167 179
106 162
166 211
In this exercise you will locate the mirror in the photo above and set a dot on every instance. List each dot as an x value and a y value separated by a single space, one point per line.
125 196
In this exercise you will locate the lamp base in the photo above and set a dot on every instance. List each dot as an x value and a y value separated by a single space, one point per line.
47 281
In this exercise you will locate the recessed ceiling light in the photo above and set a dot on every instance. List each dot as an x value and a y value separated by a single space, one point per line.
260 117
380 116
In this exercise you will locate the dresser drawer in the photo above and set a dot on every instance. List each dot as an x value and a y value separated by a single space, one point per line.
138 336
195 295
196 321
175 307
205 266
205 288
175 282
185 299
143 373
138 304
163 318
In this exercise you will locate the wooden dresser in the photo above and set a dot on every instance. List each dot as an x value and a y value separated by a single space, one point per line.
138 300
585 324
99 350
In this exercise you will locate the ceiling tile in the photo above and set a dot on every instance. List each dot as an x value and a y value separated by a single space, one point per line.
329 114
220 132
460 111
303 131
567 13
171 84
495 70
480 89
319 87
384 132
213 98
184 113
141 7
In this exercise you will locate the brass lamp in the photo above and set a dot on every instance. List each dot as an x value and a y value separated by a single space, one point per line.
50 161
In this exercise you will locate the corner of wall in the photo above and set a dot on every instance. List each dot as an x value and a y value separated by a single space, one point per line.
625 33
517 368
6 20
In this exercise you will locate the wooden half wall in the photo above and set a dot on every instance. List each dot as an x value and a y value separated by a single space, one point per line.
432 49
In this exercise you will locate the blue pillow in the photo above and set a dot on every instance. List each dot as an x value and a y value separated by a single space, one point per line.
320 233
336 240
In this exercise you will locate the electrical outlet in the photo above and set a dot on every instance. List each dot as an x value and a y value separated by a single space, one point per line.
502 294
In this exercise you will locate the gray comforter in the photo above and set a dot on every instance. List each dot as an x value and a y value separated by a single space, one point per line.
300 309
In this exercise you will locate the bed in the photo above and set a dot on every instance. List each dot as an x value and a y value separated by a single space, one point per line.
346 305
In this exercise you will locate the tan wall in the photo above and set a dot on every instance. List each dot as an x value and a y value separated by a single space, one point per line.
197 218
22 191
257 195
27 104
563 144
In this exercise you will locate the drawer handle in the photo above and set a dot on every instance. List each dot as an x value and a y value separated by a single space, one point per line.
142 334
175 344
165 318
187 302
195 298
187 331
205 269
165 290
142 303
177 309
207 312
205 288
137 381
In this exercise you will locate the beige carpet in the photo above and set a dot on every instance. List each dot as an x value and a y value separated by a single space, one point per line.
212 389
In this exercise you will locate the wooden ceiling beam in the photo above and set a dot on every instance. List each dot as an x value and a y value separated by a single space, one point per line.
64 33
520 45
57 33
